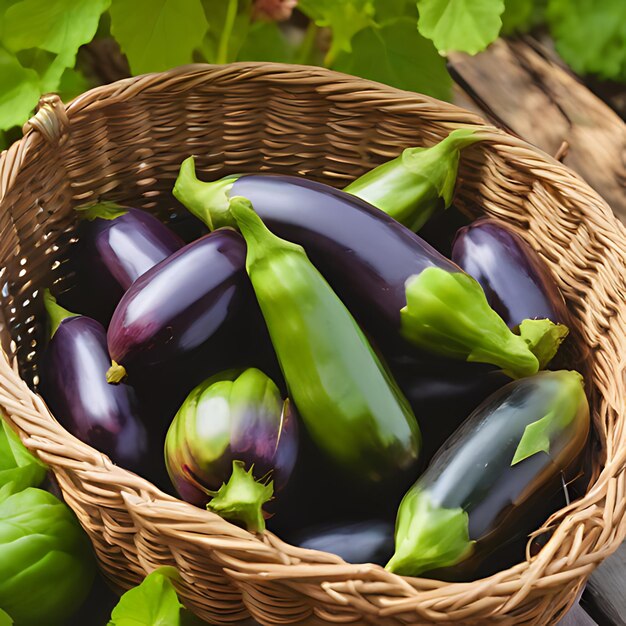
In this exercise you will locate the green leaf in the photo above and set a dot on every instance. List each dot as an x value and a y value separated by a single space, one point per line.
460 25
72 84
17 465
265 42
153 603
520 15
345 18
59 26
590 35
396 54
5 619
391 10
19 91
157 35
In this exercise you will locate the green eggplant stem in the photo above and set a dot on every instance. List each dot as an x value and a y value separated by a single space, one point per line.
104 210
55 311
411 187
543 338
428 536
209 202
116 373
448 313
241 499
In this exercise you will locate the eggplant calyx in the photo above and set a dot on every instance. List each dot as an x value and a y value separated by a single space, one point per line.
428 535
209 202
565 410
55 311
105 210
116 373
447 313
543 338
241 499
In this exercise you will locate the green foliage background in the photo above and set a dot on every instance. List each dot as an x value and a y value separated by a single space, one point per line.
399 42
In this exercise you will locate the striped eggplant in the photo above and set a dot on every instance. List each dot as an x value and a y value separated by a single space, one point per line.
230 438
395 282
494 478
517 283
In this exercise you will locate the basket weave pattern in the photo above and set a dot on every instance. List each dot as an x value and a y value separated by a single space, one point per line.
125 142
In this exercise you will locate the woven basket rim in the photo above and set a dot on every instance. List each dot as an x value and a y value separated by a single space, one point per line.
144 499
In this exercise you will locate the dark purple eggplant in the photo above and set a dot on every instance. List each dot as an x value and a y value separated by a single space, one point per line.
117 245
517 283
230 438
178 305
368 541
443 393
74 386
494 478
394 282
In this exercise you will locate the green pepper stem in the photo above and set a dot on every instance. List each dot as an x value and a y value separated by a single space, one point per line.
411 187
209 202
241 499
56 312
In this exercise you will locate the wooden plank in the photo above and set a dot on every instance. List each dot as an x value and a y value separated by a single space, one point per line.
520 85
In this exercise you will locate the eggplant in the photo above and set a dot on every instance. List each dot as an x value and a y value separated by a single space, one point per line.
493 479
394 282
443 393
517 283
230 436
117 245
178 305
369 541
73 385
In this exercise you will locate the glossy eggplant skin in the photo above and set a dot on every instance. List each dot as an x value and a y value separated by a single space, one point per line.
115 252
74 386
377 253
443 393
518 285
179 304
369 541
493 479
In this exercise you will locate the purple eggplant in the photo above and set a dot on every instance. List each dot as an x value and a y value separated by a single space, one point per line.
394 282
368 541
517 283
74 386
494 478
230 438
178 305
118 245
443 393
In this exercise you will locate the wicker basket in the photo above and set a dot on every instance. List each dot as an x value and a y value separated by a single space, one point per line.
125 141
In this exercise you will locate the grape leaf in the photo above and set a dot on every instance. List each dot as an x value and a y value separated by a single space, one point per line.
265 42
157 35
344 17
520 15
590 35
19 91
460 25
153 603
398 55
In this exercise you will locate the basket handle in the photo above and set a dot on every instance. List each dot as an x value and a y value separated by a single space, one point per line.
50 119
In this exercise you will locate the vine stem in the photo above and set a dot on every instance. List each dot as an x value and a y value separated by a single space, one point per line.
229 23
306 47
